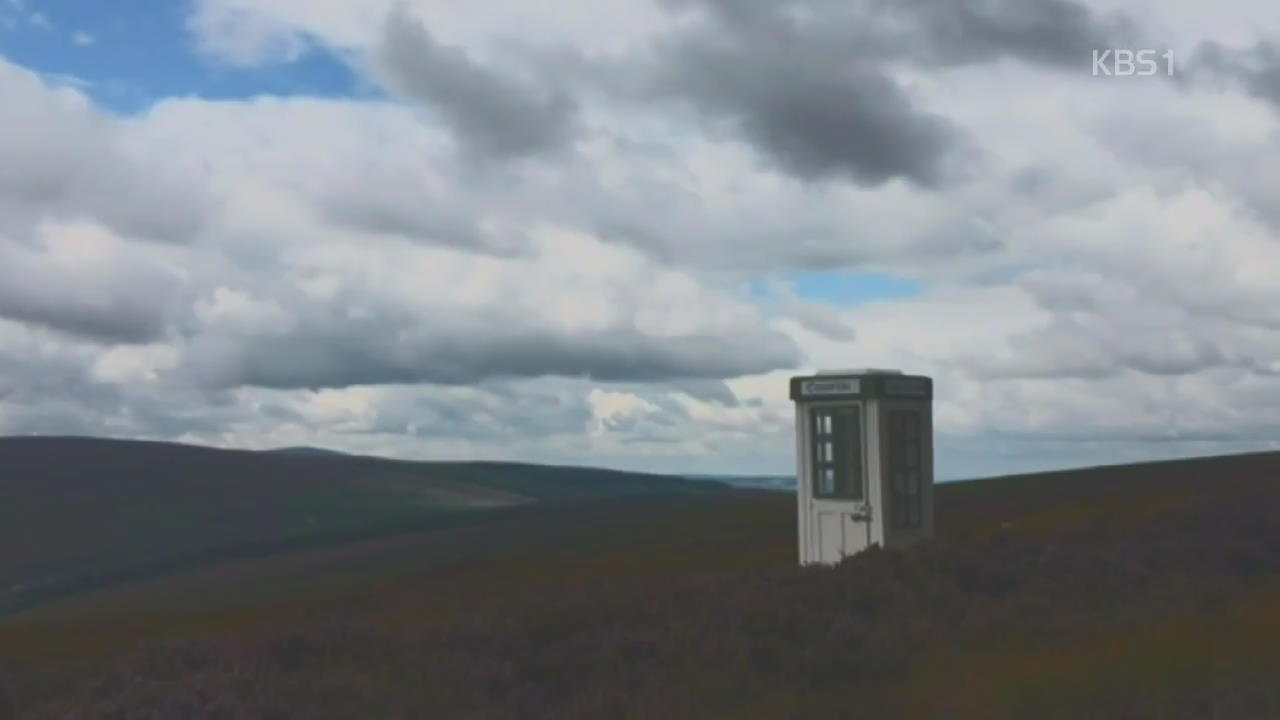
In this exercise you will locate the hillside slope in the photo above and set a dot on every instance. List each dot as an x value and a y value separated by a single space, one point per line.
81 512
1140 591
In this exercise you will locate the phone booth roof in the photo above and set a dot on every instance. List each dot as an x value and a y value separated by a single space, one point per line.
861 385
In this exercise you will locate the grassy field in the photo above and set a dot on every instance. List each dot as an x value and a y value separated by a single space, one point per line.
1140 591
78 513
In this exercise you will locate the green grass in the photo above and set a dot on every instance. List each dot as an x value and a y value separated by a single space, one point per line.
77 514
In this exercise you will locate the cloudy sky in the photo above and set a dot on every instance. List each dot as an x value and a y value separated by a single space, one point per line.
607 232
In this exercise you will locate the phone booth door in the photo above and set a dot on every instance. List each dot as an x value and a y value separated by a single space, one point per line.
837 462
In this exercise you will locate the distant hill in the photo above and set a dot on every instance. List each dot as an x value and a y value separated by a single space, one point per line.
83 512
306 450
779 483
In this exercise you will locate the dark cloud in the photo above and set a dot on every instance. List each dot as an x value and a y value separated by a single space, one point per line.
485 414
1086 339
1050 32
714 391
814 118
783 230
55 395
397 197
1169 351
821 320
402 212
806 82
960 32
489 112
49 396
121 321
1255 69
1055 190
345 356
124 299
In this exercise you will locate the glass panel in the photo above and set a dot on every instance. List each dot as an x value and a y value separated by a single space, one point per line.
905 457
848 431
828 481
837 453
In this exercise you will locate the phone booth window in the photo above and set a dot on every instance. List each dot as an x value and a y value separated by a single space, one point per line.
905 463
837 453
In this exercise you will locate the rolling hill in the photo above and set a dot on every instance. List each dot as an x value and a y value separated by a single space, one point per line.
779 483
1148 590
77 513
308 450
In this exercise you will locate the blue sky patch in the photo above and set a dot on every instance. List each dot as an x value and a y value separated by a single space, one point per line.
841 288
128 60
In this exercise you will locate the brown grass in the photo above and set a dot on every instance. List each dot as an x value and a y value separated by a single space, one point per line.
1123 595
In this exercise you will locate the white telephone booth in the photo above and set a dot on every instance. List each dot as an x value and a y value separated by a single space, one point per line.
864 461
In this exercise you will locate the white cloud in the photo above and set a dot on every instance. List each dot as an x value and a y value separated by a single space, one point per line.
290 270
260 31
82 278
66 160
241 37
608 408
240 313
134 364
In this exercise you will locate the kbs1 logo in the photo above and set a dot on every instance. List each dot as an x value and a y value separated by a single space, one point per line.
1120 62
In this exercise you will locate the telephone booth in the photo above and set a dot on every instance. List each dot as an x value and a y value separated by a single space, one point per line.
864 461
